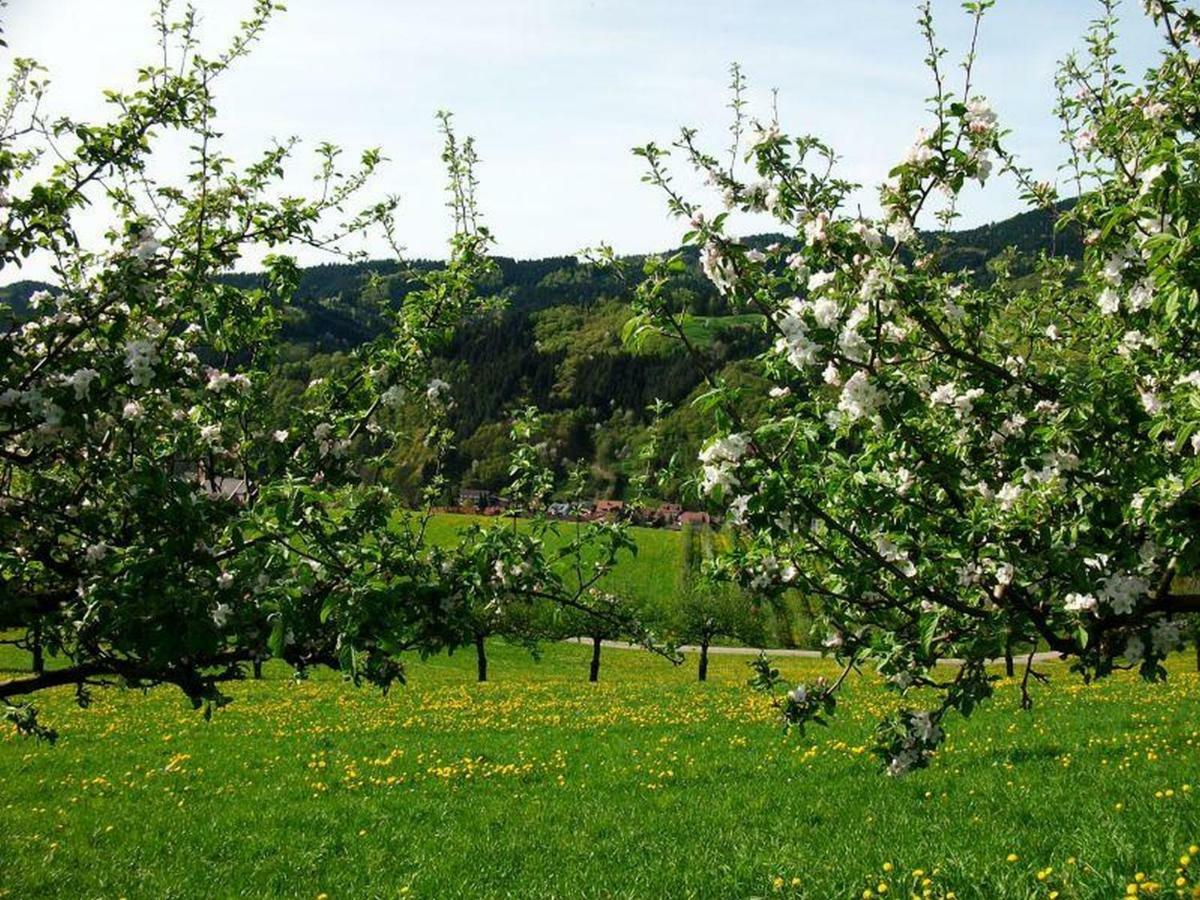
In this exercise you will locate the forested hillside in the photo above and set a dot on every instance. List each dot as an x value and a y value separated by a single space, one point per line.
555 343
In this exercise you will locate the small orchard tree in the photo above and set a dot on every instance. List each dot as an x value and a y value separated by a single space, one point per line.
710 607
954 460
489 589
156 524
504 576
605 616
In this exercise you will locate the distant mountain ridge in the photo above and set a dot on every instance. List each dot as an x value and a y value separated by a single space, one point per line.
528 284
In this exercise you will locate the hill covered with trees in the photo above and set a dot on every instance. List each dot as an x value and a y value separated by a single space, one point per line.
555 343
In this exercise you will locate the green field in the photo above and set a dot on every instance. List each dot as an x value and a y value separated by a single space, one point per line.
644 785
703 331
652 576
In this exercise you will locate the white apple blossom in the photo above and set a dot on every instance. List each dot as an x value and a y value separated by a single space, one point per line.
1075 602
140 357
980 118
1141 296
719 458
1109 301
860 399
1121 590
81 380
867 234
147 245
1008 495
1166 636
1149 177
1155 110
818 280
901 231
738 509
825 311
719 269
920 152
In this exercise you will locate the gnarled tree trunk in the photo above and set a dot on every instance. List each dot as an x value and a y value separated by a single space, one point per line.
704 659
480 658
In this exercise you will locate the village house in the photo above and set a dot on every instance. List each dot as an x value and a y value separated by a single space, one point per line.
477 498
608 510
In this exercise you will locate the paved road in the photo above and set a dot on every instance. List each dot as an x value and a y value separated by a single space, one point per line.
782 652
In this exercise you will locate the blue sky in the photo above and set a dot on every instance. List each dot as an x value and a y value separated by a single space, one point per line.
558 91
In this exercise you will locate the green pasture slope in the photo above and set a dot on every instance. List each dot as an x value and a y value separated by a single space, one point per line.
647 784
653 576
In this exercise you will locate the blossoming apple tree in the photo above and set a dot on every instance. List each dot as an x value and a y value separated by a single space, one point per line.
157 525
957 460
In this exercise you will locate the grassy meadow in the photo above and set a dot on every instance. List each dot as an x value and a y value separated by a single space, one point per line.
653 579
647 784
653 575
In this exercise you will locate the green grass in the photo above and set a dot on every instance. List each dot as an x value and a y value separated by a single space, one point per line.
703 331
541 785
652 576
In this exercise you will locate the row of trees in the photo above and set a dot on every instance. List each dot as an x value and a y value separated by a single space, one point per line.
700 612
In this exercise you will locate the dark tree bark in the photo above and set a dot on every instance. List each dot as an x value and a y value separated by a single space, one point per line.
594 672
704 659
257 664
39 660
480 658
1008 658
